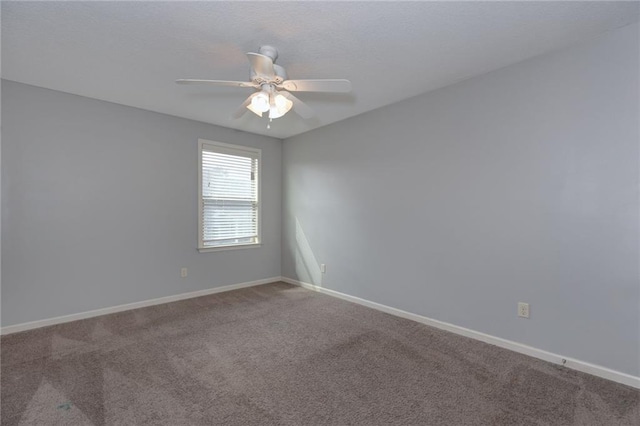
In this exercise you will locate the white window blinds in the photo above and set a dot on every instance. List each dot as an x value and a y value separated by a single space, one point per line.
229 207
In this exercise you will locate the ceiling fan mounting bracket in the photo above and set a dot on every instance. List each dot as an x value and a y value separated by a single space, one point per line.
269 51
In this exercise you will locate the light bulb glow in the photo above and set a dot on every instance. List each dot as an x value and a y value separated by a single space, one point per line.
280 106
260 102
281 102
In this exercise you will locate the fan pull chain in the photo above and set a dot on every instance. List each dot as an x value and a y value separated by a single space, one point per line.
269 125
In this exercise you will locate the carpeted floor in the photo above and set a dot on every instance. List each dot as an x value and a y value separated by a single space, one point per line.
281 355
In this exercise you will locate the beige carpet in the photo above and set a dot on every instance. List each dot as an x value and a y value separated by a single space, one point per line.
281 355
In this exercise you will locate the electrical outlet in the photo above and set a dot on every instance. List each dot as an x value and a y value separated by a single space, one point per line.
183 272
523 310
323 268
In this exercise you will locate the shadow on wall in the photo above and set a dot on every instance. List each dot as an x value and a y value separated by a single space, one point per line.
307 267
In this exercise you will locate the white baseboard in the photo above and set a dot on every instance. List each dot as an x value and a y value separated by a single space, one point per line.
113 309
585 367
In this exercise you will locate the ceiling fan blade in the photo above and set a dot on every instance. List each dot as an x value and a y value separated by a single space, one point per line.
262 65
243 108
217 82
302 109
331 85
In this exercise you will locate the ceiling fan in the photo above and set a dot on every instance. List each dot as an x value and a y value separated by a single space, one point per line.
272 87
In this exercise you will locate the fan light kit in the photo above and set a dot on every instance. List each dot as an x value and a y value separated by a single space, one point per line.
272 87
267 100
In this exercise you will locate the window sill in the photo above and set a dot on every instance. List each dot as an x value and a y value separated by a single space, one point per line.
225 248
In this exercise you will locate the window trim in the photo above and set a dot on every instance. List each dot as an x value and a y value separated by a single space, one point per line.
253 151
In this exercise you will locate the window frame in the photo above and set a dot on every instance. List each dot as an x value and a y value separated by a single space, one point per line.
253 152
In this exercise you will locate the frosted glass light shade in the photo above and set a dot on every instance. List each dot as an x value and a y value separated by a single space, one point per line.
280 106
260 102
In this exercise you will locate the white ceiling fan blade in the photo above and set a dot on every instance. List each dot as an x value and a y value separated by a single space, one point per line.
262 65
329 85
243 108
302 109
217 82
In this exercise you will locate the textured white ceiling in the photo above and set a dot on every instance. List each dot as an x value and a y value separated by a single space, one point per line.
131 52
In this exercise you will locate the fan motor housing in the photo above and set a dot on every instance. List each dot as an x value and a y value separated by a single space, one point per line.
280 75
280 72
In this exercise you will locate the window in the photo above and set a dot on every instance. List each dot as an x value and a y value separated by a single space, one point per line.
229 205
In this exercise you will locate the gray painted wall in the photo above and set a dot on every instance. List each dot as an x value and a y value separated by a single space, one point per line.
99 206
518 185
